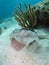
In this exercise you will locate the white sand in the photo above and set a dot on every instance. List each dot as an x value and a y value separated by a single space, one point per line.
36 55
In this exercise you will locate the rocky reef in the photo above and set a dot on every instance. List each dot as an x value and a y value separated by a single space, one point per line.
34 16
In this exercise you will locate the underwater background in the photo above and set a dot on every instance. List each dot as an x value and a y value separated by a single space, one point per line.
7 6
36 52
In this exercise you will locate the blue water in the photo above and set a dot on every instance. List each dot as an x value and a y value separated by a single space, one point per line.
7 6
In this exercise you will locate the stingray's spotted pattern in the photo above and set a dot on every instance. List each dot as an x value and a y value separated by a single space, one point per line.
42 13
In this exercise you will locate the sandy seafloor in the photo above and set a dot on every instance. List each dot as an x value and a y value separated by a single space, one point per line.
9 56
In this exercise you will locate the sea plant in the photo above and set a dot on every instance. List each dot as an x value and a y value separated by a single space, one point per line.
35 16
27 19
